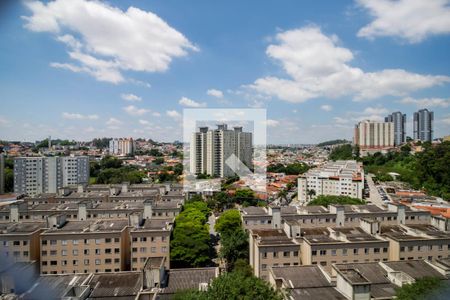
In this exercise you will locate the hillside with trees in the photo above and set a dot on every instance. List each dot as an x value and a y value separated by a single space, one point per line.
332 142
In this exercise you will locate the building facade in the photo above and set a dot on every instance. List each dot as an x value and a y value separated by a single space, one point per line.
340 178
423 125
37 175
399 121
371 135
122 146
210 150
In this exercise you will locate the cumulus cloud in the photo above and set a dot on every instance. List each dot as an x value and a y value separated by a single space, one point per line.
156 114
3 121
319 67
113 122
173 114
215 93
144 122
134 111
272 123
103 40
76 116
326 107
191 103
131 97
427 102
410 20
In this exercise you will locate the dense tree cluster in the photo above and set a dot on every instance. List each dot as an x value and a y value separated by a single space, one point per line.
101 143
290 169
190 245
343 152
9 175
326 200
111 170
233 285
332 142
420 289
234 240
428 170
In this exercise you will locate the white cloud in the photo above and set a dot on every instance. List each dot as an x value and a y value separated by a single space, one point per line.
76 116
326 107
410 20
319 67
104 40
191 103
113 122
272 123
427 102
144 122
134 111
215 93
156 114
446 120
3 121
340 120
173 114
130 97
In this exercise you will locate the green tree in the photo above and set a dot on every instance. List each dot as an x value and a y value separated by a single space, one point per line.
9 180
229 221
234 246
419 289
343 152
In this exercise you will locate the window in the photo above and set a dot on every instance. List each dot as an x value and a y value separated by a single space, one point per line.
344 252
75 252
286 254
134 239
153 249
366 250
376 250
86 262
143 250
53 252
163 249
264 266
314 252
264 254
64 263
295 253
108 251
143 239
98 261
44 242
25 253
385 250
44 253
402 249
86 251
75 262
355 251
86 242
53 242
275 254
98 241
53 263
116 250
75 242
323 252
64 242
97 251
107 240
134 249
116 240
333 252
44 262
64 252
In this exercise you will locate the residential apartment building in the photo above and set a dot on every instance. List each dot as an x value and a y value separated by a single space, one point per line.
2 173
122 146
423 125
210 149
373 136
37 175
341 178
19 242
399 121
339 234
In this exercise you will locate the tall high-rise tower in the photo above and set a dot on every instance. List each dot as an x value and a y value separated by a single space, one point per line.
210 149
423 125
399 121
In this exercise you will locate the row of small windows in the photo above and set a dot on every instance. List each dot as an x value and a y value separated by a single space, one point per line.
356 251
75 262
85 241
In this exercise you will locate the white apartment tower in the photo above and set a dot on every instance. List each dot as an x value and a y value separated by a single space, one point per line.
122 146
210 150
37 175
340 178
370 135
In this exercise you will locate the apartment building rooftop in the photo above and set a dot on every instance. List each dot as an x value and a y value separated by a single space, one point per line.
123 285
300 276
154 224
98 226
320 293
21 228
184 279
266 237
415 268
413 232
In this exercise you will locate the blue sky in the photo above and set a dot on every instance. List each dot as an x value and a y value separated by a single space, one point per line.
81 69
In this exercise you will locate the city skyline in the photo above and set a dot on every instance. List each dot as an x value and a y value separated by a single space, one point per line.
317 69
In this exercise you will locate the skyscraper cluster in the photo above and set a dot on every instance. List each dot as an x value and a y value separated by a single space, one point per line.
37 175
374 135
122 146
210 149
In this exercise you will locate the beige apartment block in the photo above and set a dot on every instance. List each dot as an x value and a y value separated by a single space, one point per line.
150 238
271 247
416 242
19 242
328 246
84 246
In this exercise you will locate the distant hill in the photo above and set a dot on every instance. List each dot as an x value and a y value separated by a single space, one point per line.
332 142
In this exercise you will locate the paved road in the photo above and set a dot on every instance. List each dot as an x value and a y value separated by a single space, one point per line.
375 196
212 223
